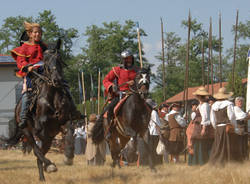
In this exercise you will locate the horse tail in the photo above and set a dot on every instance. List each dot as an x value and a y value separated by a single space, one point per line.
98 131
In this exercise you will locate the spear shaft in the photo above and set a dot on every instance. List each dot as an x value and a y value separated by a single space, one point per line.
235 45
163 62
203 73
211 55
220 65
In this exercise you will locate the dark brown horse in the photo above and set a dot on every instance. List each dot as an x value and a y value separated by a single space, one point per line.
51 110
134 113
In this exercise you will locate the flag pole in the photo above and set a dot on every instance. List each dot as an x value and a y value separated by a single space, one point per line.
163 62
99 91
84 97
139 43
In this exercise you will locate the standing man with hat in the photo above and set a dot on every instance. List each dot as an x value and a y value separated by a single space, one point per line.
202 135
176 137
227 143
124 76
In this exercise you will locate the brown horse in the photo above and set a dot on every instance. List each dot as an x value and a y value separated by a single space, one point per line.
134 113
51 110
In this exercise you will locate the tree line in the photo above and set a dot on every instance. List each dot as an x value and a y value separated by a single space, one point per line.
105 43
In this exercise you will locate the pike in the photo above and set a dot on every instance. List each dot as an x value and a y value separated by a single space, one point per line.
235 45
139 43
211 56
248 85
84 97
185 94
203 72
99 91
163 61
220 69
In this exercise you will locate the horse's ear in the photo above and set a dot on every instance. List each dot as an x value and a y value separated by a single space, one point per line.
148 69
58 43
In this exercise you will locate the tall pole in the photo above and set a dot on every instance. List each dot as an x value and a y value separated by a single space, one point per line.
248 85
185 95
139 43
220 61
203 72
163 62
84 98
235 44
211 56
208 60
99 91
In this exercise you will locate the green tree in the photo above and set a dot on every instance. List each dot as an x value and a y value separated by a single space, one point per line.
176 57
103 47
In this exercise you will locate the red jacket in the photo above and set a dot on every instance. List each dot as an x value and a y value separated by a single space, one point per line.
26 54
122 75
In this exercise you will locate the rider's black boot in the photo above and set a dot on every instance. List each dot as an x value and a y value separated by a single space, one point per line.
24 110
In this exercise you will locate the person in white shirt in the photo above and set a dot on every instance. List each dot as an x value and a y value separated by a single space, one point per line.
202 133
227 144
80 139
154 130
242 124
176 138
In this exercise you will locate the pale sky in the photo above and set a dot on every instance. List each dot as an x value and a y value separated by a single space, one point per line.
82 13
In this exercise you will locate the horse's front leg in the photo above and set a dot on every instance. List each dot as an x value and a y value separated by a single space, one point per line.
40 169
147 143
69 144
115 149
46 144
38 153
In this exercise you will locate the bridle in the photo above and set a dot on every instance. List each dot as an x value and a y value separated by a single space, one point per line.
142 81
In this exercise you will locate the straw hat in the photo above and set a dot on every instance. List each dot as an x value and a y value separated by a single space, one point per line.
92 117
201 91
222 94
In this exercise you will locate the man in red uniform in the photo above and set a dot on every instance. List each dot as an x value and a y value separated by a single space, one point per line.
124 76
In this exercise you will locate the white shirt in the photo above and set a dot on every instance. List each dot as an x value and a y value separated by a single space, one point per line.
193 115
180 120
239 113
204 109
154 120
221 105
80 133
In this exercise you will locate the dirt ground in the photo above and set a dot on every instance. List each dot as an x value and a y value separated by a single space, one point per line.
17 168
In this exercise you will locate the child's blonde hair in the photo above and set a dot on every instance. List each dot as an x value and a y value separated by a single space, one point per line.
29 26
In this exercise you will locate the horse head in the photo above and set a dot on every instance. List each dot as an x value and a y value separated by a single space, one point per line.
53 64
142 81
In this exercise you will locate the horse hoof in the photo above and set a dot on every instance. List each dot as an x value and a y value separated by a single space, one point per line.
51 168
68 161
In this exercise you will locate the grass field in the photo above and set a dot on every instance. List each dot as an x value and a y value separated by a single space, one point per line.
17 168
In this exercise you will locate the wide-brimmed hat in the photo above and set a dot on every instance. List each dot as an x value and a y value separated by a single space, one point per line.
223 94
92 117
201 91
